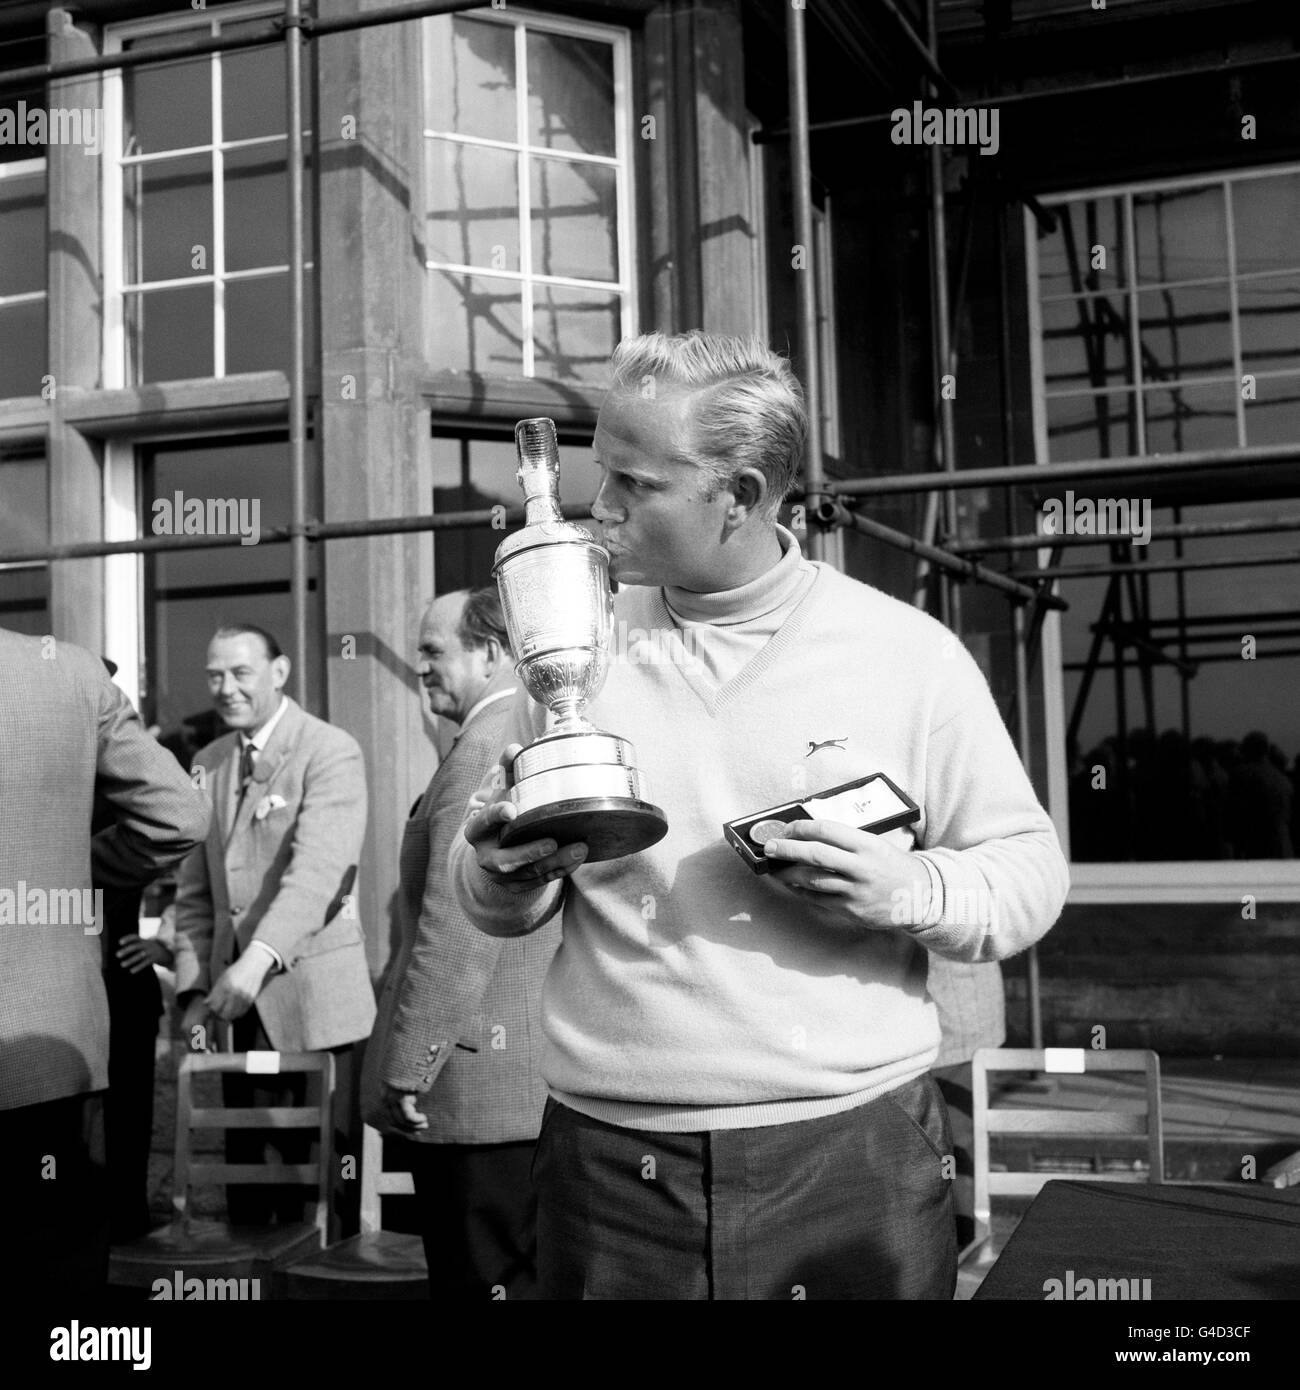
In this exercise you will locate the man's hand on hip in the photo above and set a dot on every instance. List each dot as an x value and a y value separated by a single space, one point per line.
233 994
525 867
849 877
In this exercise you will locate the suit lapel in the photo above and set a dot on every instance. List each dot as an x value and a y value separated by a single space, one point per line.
223 790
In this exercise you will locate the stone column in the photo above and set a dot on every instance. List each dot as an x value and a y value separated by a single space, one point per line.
372 425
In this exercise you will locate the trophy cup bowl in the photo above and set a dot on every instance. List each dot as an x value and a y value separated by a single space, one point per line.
574 783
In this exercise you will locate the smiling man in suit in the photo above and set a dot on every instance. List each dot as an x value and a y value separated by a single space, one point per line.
266 936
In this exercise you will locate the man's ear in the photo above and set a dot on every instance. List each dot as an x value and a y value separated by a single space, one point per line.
749 490
493 652
280 668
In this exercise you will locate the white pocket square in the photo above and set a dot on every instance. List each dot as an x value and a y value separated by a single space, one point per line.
267 805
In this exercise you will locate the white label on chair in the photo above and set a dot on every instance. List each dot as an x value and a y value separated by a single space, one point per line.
269 1062
1063 1059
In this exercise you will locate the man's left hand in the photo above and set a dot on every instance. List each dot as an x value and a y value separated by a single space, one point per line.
849 877
233 994
402 1110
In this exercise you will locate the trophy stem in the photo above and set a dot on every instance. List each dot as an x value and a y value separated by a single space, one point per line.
568 718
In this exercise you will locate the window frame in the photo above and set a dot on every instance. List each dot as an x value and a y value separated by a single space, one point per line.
116 288
619 37
24 168
1146 881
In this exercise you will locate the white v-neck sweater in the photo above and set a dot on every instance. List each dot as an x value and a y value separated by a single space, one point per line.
690 994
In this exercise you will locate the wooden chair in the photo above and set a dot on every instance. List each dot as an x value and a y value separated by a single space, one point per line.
193 1247
1073 1124
374 1264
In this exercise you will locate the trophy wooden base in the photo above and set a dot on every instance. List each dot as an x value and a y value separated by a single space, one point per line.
610 826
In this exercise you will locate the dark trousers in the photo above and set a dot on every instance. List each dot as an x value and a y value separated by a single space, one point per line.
850 1206
56 1213
478 1218
264 1203
128 1114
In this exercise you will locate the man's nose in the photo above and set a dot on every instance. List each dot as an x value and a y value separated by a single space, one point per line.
600 508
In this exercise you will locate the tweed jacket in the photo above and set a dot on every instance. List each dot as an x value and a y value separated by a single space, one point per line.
279 867
63 725
458 1010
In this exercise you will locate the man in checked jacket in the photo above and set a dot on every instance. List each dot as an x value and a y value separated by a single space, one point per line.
452 1063
66 731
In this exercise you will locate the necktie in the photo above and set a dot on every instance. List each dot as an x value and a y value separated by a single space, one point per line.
245 768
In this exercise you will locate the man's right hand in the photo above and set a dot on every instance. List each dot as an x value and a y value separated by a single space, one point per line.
197 1025
525 867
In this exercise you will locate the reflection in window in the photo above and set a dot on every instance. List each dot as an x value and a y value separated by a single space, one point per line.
191 593
1178 749
1171 318
525 128
22 277
473 474
200 156
24 525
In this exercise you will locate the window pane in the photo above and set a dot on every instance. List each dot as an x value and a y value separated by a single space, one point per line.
1185 332
22 233
472 88
257 208
470 474
1191 417
172 200
1180 235
1273 417
22 348
574 220
1179 793
1270 323
257 324
171 331
1089 427
1065 258
1265 215
475 323
253 90
167 106
570 93
25 600
473 206
574 332
194 592
1086 342
25 515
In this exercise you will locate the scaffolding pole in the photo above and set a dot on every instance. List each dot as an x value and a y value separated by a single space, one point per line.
1182 531
1219 562
38 74
1047 475
293 42
834 514
805 283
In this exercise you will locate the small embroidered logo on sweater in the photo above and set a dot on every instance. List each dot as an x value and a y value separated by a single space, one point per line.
829 743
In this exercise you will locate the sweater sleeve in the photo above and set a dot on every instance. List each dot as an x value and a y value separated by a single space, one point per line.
493 909
998 877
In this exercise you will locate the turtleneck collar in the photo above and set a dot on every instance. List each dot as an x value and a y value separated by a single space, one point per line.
748 602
